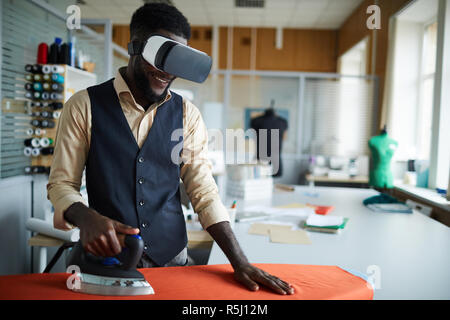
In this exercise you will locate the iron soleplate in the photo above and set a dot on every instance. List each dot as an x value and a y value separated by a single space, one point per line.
109 286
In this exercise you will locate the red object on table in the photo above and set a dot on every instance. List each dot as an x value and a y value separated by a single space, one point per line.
213 282
323 210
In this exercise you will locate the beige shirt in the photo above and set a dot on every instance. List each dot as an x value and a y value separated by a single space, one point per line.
72 146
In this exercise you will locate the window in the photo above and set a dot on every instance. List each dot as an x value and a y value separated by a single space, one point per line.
426 91
411 88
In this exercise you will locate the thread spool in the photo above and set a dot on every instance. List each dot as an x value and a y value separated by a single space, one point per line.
30 132
57 69
28 86
45 142
37 68
45 96
56 87
47 124
56 96
28 95
56 105
37 77
57 78
46 69
35 152
37 86
29 77
35 123
56 114
37 95
47 86
47 151
29 68
28 170
47 77
35 142
36 104
27 142
27 151
39 132
42 54
40 169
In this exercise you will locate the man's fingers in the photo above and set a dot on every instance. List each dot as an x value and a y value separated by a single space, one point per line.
114 243
103 243
99 248
246 281
269 282
92 249
122 228
283 284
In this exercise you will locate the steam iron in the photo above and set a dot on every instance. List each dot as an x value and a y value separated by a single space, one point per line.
109 276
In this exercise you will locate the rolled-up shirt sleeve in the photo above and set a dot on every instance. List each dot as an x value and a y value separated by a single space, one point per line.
196 170
69 158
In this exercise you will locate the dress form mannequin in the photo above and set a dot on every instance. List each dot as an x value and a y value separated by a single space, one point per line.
382 148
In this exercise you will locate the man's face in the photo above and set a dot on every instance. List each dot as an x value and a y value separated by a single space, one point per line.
152 82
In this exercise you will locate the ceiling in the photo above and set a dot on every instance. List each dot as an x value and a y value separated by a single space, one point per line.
315 14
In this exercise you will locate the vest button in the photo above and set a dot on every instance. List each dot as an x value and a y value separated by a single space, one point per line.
145 247
141 203
141 159
141 181
144 225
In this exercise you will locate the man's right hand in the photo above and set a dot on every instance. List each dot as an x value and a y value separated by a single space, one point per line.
99 235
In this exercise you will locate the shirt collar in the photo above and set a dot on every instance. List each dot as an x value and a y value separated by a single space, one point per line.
123 92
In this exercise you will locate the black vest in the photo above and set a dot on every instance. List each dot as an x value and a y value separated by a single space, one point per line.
137 186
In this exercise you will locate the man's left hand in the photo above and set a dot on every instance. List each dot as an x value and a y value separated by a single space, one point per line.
250 276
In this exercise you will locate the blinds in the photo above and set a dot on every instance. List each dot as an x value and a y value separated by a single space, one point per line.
338 116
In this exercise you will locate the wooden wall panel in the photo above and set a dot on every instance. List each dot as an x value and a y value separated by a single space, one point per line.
303 50
121 35
201 39
268 57
223 47
242 44
315 50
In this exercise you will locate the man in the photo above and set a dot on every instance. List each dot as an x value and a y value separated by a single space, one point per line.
121 132
270 121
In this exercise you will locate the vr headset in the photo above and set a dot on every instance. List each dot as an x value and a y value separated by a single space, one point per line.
173 57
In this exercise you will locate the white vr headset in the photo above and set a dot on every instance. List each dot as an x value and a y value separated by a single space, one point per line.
173 57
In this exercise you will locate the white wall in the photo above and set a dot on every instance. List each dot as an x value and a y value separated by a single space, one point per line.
15 209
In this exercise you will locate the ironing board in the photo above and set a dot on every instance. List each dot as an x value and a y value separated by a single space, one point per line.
211 282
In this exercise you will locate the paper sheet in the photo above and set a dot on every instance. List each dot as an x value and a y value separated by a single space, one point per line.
44 227
324 221
288 210
264 228
289 236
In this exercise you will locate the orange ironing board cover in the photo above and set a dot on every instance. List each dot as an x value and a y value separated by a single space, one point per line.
212 282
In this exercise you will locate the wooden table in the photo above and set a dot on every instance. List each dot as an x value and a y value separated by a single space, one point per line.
407 253
357 181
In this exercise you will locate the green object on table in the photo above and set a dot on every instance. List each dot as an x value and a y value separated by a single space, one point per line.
382 148
342 226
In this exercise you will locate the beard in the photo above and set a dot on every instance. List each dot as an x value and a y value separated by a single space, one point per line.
143 84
